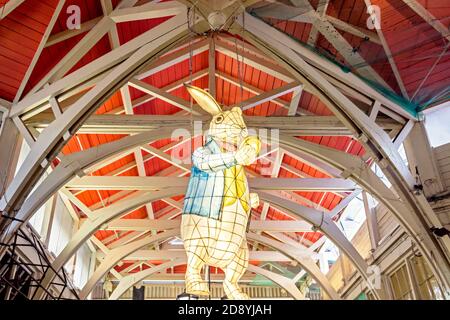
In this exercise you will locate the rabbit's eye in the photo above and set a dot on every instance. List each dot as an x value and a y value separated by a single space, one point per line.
219 119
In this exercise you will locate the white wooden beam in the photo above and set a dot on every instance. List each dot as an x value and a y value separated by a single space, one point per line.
322 7
130 280
354 30
69 207
128 106
176 204
319 63
126 98
212 66
173 86
120 253
148 97
300 248
113 35
387 50
164 96
324 223
149 10
117 255
352 57
99 245
39 49
403 134
268 95
146 255
180 54
248 87
56 108
67 34
158 183
130 237
296 95
24 131
132 124
88 229
374 110
428 17
166 157
76 53
77 202
391 162
344 203
130 165
135 265
54 138
97 68
263 65
422 157
9 7
159 225
371 221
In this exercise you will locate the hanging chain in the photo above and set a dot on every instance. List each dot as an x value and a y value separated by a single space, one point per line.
240 62
242 57
191 71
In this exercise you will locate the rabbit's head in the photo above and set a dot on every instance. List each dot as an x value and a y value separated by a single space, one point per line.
227 126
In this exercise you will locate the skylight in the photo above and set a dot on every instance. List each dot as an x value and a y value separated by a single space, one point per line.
437 124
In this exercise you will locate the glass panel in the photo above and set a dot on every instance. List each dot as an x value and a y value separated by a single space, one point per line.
426 282
82 265
401 286
436 124
61 229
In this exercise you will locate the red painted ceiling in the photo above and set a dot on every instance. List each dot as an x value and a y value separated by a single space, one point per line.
414 43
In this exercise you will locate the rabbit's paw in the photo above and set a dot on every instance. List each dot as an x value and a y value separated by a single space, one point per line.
245 155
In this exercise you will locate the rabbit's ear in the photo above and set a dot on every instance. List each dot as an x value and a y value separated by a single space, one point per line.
204 99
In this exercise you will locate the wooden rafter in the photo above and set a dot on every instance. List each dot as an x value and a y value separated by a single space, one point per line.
147 11
126 98
353 58
160 94
428 17
387 51
39 49
132 124
269 95
9 7
322 7
67 34
212 66
354 30
261 64
76 53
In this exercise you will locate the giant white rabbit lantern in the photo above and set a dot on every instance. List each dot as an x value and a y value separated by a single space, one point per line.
217 204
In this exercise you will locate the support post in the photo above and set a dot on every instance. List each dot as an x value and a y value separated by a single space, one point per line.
421 160
372 224
11 142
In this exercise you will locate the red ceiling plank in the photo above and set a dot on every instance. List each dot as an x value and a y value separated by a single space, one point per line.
130 30
409 36
20 34
440 9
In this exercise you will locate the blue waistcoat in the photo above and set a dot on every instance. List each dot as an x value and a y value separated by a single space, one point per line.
205 192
